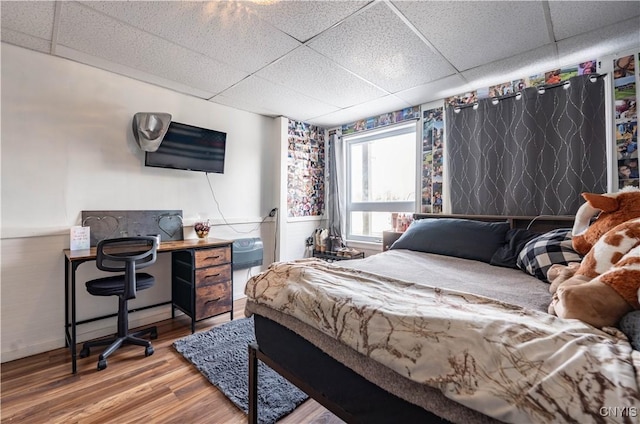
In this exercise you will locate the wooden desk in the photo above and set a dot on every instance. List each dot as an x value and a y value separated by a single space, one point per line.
188 293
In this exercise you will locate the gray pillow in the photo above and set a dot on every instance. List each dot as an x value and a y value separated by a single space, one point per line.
630 325
507 255
462 238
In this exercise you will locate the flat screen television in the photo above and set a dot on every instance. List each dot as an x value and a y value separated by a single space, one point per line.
191 148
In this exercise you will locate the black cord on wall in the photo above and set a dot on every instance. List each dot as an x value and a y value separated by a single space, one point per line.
213 194
272 214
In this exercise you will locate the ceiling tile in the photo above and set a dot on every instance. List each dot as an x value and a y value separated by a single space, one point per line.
376 107
354 51
236 103
266 95
127 71
34 18
577 17
308 72
469 34
520 66
27 41
377 45
616 38
433 91
304 19
227 31
93 34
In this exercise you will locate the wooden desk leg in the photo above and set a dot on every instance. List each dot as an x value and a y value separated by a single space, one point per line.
253 385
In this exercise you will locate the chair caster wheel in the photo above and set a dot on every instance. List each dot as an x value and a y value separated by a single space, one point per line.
102 364
148 351
154 334
85 352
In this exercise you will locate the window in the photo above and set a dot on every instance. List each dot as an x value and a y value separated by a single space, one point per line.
381 179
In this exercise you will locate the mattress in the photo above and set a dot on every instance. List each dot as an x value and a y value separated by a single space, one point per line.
407 323
504 284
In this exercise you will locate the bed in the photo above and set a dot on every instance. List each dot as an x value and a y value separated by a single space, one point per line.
440 329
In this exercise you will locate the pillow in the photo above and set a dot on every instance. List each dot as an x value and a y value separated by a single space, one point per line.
550 248
630 326
462 238
507 255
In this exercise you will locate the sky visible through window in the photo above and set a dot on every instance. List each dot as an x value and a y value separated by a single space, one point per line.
382 170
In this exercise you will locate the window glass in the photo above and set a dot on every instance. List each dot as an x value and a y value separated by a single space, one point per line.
370 224
381 179
384 170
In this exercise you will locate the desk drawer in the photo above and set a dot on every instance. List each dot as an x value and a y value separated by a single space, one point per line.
211 257
202 281
213 275
213 300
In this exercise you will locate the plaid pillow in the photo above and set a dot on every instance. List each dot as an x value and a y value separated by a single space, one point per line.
550 248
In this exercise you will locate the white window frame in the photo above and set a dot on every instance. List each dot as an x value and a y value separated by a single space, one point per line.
408 206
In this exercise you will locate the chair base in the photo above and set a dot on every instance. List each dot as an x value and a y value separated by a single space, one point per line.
114 343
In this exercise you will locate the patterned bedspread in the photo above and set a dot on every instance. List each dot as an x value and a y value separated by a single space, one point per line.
511 363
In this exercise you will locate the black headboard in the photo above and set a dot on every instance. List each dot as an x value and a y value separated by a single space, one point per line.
540 223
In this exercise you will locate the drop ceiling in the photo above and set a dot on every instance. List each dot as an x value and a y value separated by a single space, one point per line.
324 62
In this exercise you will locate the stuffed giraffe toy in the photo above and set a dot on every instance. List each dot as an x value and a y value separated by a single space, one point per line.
605 285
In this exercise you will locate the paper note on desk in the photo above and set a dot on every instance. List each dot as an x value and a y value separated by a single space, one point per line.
79 238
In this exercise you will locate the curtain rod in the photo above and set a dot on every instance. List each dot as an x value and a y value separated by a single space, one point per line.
541 89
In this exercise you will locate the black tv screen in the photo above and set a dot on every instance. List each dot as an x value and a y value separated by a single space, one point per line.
192 148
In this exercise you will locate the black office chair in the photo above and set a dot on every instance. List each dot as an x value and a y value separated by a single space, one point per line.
127 255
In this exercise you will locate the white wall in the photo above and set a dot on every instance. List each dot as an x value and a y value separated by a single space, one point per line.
67 146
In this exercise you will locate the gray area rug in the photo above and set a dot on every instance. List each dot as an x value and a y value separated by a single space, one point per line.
220 354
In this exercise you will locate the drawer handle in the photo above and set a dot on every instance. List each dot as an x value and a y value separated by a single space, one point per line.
213 257
212 275
213 300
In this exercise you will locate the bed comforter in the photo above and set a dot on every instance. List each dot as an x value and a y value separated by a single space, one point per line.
509 362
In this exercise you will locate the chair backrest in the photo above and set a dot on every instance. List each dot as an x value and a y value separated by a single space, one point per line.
126 254
114 254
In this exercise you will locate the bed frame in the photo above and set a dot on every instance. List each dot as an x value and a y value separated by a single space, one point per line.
540 223
254 355
302 357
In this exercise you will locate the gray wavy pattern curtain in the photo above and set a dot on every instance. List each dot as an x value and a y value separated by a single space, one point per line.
335 180
529 156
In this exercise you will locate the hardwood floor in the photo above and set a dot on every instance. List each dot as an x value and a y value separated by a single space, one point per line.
162 388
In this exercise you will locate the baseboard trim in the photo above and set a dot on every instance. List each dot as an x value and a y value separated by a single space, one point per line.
90 331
